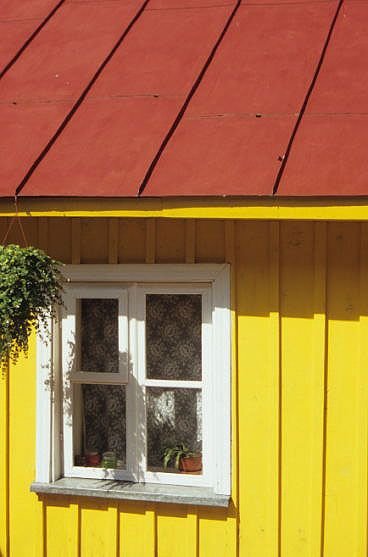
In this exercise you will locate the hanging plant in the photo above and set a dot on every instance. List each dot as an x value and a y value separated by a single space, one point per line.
30 289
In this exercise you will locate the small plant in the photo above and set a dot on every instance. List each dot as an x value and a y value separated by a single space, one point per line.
175 454
30 286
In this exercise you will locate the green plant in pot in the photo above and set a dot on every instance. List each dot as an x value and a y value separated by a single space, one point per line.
183 458
30 288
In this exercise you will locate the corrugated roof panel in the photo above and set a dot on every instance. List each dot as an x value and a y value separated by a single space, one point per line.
65 55
57 66
163 53
30 9
122 124
18 21
342 85
263 65
25 130
221 155
253 90
13 36
329 157
105 150
236 127
329 154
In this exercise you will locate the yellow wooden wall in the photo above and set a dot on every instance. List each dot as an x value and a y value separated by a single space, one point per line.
299 404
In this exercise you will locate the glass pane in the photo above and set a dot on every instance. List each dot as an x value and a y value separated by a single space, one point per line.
174 417
99 335
100 426
173 336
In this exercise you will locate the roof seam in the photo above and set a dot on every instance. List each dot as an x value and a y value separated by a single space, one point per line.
80 99
185 105
173 8
31 38
18 20
40 100
282 4
285 157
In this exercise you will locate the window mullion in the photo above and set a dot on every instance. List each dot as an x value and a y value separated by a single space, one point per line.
141 412
132 388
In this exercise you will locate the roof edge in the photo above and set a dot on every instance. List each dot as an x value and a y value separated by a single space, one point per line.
247 208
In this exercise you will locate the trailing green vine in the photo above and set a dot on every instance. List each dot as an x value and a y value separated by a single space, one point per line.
30 289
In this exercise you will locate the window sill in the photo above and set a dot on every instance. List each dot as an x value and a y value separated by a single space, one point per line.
128 491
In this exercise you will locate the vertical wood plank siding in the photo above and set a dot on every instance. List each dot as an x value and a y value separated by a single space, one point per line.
299 398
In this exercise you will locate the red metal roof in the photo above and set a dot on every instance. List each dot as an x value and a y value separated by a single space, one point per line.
184 97
18 21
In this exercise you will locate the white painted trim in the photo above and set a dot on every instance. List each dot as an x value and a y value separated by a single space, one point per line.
153 273
132 440
100 473
56 399
139 384
221 354
43 405
173 383
208 407
68 327
96 378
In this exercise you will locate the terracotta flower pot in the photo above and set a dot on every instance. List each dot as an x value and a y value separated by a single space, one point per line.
93 459
191 463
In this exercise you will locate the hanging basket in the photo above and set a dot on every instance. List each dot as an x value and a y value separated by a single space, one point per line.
30 289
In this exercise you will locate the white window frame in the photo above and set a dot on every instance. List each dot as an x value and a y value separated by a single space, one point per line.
71 349
72 375
130 283
204 385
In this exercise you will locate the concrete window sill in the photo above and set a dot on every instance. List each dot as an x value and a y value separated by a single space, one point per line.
109 489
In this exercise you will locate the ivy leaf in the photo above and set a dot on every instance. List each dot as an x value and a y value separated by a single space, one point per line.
30 290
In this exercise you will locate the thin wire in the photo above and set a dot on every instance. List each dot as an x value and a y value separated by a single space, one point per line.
7 232
16 218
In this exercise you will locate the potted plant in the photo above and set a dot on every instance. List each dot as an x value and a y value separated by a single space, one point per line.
183 458
30 286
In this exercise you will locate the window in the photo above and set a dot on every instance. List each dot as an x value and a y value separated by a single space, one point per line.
138 363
